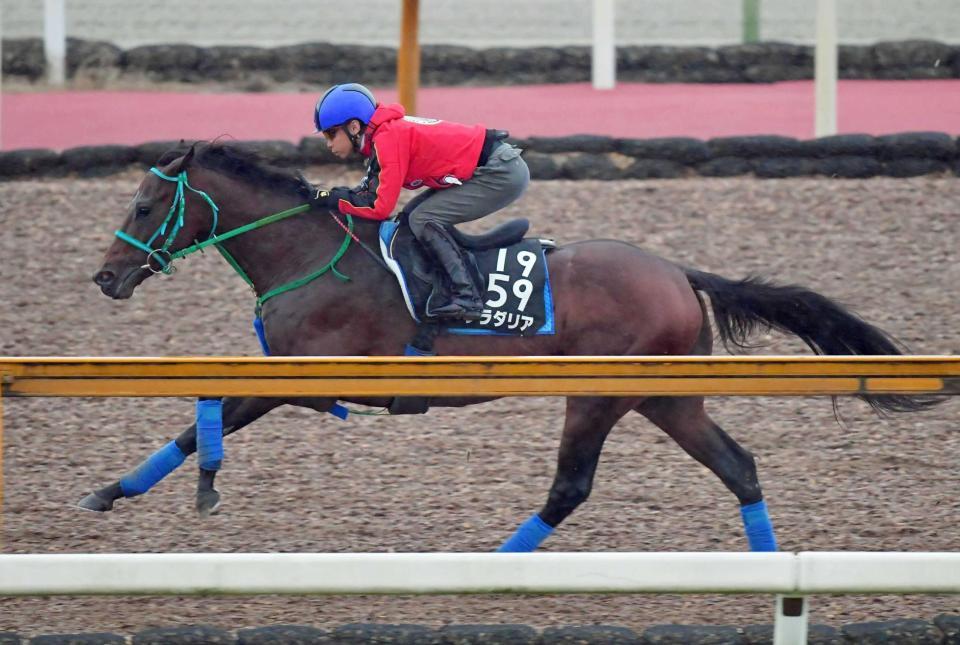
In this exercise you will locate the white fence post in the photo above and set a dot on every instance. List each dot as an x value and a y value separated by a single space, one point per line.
1 105
55 40
825 76
604 69
790 623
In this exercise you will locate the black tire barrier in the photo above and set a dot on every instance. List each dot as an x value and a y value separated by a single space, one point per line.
944 628
326 63
98 161
654 169
282 635
91 638
30 161
193 635
683 150
587 165
854 156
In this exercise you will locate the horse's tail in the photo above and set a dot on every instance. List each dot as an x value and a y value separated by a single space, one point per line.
741 307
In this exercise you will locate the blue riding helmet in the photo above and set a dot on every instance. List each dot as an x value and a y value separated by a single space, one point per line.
342 103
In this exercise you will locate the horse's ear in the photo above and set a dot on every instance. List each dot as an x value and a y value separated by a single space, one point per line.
186 159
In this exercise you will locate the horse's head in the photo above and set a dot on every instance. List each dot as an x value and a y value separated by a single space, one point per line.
156 226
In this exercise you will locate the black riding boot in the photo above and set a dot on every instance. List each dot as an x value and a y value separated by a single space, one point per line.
466 303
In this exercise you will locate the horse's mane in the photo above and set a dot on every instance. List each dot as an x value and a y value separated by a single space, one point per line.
241 162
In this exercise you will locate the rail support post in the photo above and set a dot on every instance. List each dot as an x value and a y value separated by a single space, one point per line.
604 52
751 21
408 57
55 40
790 624
825 70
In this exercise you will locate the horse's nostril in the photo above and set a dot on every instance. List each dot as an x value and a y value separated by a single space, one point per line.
104 277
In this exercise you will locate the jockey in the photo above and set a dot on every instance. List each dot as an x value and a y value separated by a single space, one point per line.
468 172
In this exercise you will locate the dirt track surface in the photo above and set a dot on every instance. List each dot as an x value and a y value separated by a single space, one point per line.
462 480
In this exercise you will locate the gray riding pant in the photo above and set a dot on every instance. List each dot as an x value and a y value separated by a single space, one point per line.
493 186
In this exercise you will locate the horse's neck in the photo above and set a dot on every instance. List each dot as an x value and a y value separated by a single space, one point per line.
290 249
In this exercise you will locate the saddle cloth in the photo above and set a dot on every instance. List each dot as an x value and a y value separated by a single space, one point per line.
513 276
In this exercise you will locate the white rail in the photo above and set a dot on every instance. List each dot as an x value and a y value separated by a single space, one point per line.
840 572
789 575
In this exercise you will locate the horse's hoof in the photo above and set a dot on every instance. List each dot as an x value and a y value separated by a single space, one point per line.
95 503
208 502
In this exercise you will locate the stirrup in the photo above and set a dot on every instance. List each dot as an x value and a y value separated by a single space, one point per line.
458 311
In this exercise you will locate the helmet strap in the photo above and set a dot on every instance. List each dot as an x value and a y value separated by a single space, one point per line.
356 139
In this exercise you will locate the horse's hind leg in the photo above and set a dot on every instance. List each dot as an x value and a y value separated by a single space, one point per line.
686 421
588 422
237 413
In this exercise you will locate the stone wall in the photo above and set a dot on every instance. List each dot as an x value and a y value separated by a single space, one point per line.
585 157
324 63
942 629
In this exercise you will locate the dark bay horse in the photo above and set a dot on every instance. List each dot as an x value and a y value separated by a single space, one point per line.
610 298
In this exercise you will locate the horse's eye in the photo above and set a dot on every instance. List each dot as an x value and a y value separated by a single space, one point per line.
143 211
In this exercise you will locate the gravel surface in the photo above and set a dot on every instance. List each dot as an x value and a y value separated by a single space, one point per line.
462 480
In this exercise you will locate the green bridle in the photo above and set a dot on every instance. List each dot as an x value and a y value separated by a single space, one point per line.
175 219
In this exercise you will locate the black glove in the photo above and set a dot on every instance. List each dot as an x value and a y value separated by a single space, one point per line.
329 200
322 199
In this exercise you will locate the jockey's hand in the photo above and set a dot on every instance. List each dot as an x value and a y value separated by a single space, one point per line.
322 199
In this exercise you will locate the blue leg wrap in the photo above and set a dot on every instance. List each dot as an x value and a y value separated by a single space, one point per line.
759 528
410 350
210 433
153 469
528 537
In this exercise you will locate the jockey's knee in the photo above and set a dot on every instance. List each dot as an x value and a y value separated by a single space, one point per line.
417 221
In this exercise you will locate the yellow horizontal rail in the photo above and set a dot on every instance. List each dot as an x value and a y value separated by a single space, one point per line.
480 376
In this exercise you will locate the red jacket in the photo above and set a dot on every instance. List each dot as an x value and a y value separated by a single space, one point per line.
409 152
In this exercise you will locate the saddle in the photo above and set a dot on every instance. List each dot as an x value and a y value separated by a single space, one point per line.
509 269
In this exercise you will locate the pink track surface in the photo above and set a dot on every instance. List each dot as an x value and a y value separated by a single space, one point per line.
62 120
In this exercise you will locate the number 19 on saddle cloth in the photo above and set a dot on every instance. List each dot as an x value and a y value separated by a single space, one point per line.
518 299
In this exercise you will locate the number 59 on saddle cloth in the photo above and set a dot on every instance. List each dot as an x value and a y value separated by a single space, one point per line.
512 277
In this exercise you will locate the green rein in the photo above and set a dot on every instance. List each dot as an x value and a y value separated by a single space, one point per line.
174 220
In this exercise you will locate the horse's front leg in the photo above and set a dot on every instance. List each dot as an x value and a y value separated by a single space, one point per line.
237 413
